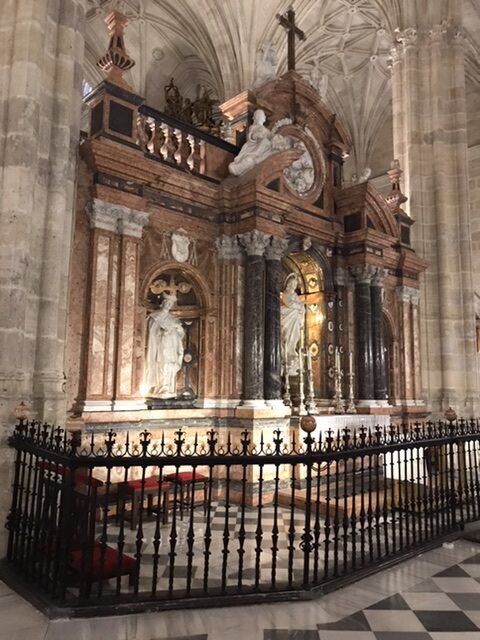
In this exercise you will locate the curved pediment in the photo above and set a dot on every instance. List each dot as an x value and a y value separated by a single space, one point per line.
361 206
278 98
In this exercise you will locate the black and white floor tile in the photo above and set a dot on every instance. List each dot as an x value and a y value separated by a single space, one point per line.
434 596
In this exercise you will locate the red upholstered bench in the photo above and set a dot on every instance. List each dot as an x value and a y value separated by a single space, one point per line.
113 564
132 490
186 481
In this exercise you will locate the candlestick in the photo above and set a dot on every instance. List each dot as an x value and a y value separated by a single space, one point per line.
301 390
310 404
351 401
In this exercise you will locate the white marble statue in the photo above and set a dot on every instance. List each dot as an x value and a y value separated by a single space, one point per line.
318 80
261 143
164 350
292 320
265 65
365 175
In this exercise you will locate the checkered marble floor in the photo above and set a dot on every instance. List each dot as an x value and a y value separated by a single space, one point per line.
433 596
288 551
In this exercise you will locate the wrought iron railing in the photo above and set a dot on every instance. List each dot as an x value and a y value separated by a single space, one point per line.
224 516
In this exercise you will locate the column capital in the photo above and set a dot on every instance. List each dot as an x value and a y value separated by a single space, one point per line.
379 276
116 218
254 242
408 295
228 247
131 222
343 278
276 249
363 274
100 215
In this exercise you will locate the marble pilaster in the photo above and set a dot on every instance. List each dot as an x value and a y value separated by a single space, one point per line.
255 243
230 325
116 233
273 286
130 226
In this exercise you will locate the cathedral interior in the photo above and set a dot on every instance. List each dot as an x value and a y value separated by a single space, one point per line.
240 321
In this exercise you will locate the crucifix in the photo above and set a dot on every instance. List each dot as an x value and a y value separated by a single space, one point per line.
288 22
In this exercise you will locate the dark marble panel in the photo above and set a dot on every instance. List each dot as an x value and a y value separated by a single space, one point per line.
378 345
254 327
273 383
363 309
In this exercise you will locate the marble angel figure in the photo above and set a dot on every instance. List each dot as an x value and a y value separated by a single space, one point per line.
292 320
265 65
261 143
164 350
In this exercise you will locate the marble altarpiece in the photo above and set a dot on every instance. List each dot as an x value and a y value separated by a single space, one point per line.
162 215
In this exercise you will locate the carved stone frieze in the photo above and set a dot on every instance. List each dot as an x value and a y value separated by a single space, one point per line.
254 242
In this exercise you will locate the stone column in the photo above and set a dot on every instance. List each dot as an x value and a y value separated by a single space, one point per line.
130 226
273 286
378 338
41 61
430 141
363 321
255 243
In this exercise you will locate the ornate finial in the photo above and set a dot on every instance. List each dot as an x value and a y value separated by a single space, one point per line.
395 198
308 423
116 61
22 411
450 414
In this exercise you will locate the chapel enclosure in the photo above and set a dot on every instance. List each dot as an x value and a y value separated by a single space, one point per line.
108 523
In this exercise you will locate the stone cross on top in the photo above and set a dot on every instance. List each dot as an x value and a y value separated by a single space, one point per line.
288 22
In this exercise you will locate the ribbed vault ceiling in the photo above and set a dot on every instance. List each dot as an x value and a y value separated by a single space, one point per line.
214 43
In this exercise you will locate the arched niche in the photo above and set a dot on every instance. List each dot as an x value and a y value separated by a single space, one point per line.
191 308
311 290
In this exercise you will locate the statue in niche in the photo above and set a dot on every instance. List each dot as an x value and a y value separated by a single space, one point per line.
173 100
261 143
265 65
164 350
292 321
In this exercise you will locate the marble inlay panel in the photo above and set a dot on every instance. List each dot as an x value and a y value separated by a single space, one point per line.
127 320
99 316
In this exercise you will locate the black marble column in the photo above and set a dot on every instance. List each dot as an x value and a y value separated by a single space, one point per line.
363 323
273 284
378 339
254 243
